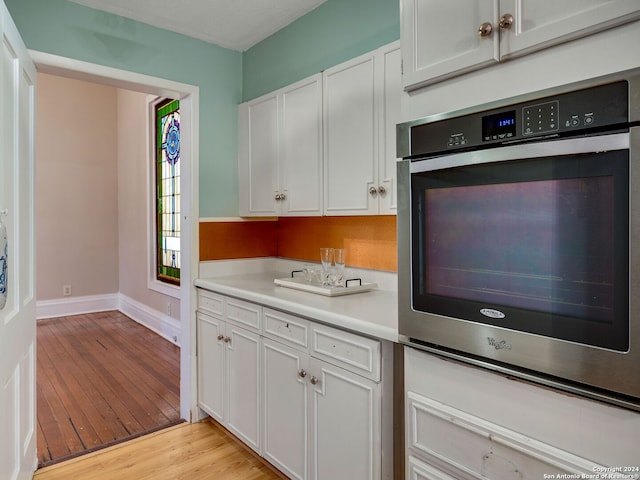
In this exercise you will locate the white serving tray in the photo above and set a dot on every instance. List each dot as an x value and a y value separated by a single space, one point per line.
314 287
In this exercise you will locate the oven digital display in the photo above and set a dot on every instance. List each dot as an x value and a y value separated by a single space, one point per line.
499 126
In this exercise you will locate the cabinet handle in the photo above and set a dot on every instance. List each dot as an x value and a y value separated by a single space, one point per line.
373 191
302 373
382 190
506 21
314 380
283 196
227 339
220 337
485 29
278 196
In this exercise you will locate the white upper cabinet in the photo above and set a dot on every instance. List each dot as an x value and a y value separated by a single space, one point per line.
441 38
361 107
280 152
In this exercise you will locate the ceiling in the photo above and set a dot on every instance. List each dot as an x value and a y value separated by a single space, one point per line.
234 24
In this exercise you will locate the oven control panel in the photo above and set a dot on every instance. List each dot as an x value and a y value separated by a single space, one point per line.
590 110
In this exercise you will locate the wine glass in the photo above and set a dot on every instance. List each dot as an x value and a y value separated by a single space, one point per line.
326 257
338 267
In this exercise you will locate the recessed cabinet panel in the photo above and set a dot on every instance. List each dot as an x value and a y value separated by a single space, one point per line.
345 424
288 329
390 116
286 389
245 314
444 39
361 110
350 136
301 148
280 151
243 383
263 155
211 365
541 24
440 39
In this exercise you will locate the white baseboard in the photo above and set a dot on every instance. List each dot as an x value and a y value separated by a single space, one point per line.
61 307
164 325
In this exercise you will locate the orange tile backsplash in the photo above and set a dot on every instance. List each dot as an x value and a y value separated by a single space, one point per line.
369 241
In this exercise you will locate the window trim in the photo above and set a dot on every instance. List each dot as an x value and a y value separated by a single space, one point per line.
152 282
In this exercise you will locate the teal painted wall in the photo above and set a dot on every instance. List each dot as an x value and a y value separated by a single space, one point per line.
336 31
332 33
70 30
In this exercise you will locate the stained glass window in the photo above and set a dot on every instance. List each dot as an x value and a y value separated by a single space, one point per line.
168 191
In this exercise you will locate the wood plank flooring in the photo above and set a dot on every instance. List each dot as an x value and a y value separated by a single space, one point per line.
199 451
101 378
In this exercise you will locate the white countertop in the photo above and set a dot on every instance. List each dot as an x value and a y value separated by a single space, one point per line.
373 313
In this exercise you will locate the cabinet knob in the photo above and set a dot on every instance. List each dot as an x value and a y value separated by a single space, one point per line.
314 380
506 21
227 339
373 191
283 196
302 373
485 29
382 190
278 196
220 337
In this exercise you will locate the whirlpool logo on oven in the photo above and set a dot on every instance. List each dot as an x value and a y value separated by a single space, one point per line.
499 344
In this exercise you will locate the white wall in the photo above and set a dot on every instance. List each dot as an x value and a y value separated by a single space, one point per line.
76 188
133 204
91 202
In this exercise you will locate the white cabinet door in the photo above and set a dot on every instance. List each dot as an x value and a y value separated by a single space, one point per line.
211 361
350 137
345 424
541 24
285 439
389 106
300 157
361 110
243 384
440 38
280 151
258 156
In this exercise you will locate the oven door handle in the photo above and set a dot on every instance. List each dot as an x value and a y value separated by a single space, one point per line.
551 148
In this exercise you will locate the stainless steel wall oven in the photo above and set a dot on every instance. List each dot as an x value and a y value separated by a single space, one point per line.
519 236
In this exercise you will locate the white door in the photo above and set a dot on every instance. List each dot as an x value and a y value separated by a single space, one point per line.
258 156
17 317
286 381
441 39
345 424
300 152
211 365
544 23
243 384
350 137
390 89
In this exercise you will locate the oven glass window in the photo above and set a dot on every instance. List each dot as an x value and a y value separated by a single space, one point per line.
539 246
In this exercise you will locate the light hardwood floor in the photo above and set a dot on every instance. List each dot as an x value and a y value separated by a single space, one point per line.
199 451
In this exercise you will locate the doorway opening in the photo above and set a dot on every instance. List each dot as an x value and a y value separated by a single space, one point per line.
145 311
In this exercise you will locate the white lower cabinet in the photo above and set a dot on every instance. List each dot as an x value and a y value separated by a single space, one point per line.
467 423
229 375
345 424
305 396
321 421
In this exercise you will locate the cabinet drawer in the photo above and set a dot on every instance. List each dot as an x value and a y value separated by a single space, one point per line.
244 314
285 328
210 302
358 354
470 447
